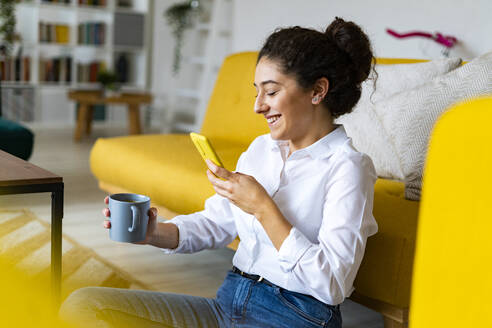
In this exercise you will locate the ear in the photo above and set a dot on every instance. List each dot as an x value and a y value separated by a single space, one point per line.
320 90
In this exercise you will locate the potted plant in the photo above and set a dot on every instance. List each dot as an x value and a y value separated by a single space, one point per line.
7 27
180 17
108 80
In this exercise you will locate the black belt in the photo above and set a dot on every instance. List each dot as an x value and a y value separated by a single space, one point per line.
258 278
254 277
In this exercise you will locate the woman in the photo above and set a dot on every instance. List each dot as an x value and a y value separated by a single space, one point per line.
300 201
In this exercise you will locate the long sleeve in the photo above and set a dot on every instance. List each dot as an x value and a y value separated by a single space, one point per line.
327 269
212 228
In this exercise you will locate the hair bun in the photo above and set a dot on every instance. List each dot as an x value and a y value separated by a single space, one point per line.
350 39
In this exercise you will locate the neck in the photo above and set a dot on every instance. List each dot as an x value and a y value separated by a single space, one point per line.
322 125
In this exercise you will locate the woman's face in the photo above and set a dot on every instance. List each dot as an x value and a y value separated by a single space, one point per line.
285 105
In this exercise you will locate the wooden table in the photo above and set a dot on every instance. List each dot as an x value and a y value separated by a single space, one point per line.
19 177
88 98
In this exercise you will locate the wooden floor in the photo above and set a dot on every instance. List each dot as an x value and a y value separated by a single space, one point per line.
196 274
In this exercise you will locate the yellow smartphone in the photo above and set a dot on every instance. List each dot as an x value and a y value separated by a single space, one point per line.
205 148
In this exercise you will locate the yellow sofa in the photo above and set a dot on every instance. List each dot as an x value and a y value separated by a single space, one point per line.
168 169
453 261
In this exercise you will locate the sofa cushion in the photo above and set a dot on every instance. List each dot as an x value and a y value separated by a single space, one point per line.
393 79
386 269
363 124
409 116
166 167
402 122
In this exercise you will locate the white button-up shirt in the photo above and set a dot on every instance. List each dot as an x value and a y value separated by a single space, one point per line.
326 193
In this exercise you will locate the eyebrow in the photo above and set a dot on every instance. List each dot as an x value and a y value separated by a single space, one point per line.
268 82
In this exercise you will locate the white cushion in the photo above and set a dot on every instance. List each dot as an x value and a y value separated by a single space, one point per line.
407 118
396 78
365 128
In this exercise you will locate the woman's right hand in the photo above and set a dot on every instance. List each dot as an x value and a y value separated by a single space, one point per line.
151 225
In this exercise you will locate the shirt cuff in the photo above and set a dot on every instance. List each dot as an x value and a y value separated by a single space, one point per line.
292 249
182 236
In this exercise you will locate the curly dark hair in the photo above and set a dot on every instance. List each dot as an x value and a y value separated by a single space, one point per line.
342 54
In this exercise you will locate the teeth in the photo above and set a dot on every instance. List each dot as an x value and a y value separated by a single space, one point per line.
272 119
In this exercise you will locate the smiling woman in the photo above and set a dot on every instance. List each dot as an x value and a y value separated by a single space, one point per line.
300 201
292 112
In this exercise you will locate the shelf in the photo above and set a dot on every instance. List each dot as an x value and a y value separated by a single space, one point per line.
93 8
200 66
64 6
123 10
93 46
16 84
55 84
55 45
31 4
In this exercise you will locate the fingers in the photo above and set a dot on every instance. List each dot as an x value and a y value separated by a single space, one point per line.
106 200
222 188
106 212
218 171
107 224
216 181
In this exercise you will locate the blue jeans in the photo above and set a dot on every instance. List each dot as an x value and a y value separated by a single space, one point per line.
240 302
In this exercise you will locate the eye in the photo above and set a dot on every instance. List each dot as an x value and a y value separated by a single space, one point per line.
272 93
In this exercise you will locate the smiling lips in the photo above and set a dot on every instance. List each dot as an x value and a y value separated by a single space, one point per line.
272 119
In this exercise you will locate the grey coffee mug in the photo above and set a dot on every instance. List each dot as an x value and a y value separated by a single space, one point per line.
129 215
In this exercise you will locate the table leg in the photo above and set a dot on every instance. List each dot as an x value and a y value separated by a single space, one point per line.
81 121
56 244
134 119
88 120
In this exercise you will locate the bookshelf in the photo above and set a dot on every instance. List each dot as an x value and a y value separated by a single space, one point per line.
65 43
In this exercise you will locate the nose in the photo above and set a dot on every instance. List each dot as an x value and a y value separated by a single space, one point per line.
260 105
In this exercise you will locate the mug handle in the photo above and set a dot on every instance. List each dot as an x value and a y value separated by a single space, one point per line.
136 219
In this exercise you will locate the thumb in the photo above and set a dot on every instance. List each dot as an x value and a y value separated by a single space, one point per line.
153 213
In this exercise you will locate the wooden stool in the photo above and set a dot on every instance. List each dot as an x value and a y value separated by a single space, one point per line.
94 97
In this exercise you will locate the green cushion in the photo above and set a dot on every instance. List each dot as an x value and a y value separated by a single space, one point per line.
15 139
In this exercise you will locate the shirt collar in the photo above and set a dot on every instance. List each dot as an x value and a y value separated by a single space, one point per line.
321 148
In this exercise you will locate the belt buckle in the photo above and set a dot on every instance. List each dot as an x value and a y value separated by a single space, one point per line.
260 279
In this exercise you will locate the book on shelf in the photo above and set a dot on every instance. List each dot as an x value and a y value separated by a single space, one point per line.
56 1
15 69
97 3
57 69
92 33
54 33
124 3
87 73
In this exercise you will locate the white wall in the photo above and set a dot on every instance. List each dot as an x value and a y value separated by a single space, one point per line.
469 21
254 20
163 45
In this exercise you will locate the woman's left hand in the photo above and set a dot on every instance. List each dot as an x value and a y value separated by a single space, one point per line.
241 189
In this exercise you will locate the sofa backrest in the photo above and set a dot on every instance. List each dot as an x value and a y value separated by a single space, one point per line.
230 112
